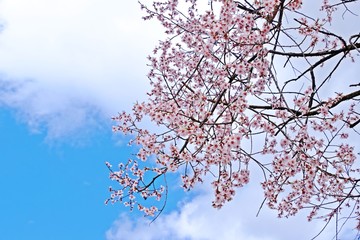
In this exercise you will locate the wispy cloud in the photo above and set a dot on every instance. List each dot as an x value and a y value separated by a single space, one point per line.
57 112
86 60
197 220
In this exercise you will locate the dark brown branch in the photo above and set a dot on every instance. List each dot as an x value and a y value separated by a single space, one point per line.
317 54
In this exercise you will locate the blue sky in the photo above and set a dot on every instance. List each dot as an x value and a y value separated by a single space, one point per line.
65 68
62 77
53 192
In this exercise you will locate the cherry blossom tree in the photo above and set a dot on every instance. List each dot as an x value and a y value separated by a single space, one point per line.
246 85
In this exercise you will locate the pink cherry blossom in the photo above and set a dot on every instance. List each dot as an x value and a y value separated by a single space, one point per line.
240 84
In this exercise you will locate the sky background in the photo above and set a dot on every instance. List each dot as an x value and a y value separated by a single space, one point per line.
66 67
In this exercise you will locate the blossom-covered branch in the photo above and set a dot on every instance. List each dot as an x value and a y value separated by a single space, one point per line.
249 83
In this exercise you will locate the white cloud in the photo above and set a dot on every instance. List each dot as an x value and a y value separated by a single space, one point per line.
68 61
197 220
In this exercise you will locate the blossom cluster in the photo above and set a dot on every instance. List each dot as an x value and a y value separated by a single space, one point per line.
220 105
